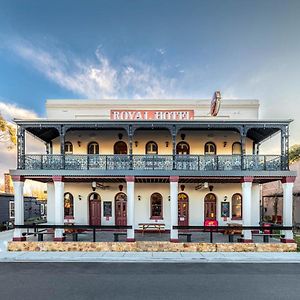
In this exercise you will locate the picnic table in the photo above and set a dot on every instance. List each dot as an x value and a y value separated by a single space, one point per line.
148 226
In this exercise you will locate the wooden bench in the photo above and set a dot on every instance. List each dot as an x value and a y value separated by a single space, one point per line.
266 236
156 226
187 235
117 234
75 235
41 235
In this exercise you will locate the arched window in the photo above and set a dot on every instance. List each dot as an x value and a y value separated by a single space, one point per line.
120 147
156 203
68 205
210 207
68 148
236 148
237 206
93 148
210 149
151 148
183 148
94 196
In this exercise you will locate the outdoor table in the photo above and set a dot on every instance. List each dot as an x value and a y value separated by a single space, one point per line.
146 226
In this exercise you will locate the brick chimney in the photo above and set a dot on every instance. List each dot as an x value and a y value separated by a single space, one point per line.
8 187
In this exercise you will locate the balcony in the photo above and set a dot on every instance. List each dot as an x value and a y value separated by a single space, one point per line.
154 162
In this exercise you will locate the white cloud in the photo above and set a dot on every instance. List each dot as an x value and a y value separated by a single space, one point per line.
12 111
97 78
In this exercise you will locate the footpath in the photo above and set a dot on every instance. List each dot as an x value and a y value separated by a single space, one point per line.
142 257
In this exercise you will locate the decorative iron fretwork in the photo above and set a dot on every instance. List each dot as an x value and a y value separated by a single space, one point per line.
153 162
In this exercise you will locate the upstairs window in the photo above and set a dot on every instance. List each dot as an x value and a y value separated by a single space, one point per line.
236 206
68 148
93 148
156 206
236 148
210 149
120 148
183 148
68 204
151 148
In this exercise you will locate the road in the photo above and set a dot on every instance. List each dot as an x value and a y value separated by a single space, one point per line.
149 281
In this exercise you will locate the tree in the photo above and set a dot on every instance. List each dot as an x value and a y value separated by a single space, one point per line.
7 132
294 153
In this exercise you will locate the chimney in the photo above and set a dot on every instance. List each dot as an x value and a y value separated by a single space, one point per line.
8 187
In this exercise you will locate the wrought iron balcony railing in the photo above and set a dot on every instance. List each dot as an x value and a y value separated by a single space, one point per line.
154 162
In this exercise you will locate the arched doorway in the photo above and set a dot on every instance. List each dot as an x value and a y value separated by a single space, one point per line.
95 209
120 147
183 209
210 207
121 209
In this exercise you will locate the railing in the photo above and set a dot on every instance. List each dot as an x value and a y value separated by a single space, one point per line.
154 162
269 231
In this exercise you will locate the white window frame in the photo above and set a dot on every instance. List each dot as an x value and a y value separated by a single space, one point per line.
11 208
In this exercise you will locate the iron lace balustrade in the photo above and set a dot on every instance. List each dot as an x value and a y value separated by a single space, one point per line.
153 162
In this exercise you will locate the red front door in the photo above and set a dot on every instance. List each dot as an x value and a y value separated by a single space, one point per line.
183 209
95 212
121 209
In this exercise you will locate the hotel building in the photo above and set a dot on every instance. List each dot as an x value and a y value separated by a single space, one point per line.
132 162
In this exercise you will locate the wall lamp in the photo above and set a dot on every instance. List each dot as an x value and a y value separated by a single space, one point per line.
139 198
225 144
79 197
79 143
136 143
225 198
167 144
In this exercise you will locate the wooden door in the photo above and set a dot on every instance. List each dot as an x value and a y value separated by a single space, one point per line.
121 209
210 207
95 212
183 209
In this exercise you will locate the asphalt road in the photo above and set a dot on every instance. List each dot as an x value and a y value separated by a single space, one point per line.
148 281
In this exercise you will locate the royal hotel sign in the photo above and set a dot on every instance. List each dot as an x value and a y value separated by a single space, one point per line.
153 115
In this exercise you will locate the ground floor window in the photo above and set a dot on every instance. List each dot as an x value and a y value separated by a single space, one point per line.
156 202
236 203
11 209
68 204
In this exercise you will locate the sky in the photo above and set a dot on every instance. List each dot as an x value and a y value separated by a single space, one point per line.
149 49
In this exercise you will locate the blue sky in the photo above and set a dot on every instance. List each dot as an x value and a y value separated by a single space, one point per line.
151 49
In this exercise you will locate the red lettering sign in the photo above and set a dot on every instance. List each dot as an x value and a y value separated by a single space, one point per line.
155 115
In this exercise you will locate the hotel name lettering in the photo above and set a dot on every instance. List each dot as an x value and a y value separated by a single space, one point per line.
156 115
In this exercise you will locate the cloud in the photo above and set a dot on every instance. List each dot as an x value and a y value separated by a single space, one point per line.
8 155
13 111
97 77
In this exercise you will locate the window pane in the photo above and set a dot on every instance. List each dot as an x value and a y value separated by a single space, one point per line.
237 206
156 205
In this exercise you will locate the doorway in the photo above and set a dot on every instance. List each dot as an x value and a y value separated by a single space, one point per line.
210 207
121 209
183 209
95 209
120 148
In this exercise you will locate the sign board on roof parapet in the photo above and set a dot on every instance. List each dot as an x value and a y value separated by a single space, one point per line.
153 115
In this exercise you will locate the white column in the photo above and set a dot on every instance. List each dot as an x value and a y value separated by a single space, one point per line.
59 207
255 205
174 207
18 183
130 208
50 203
287 209
246 192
